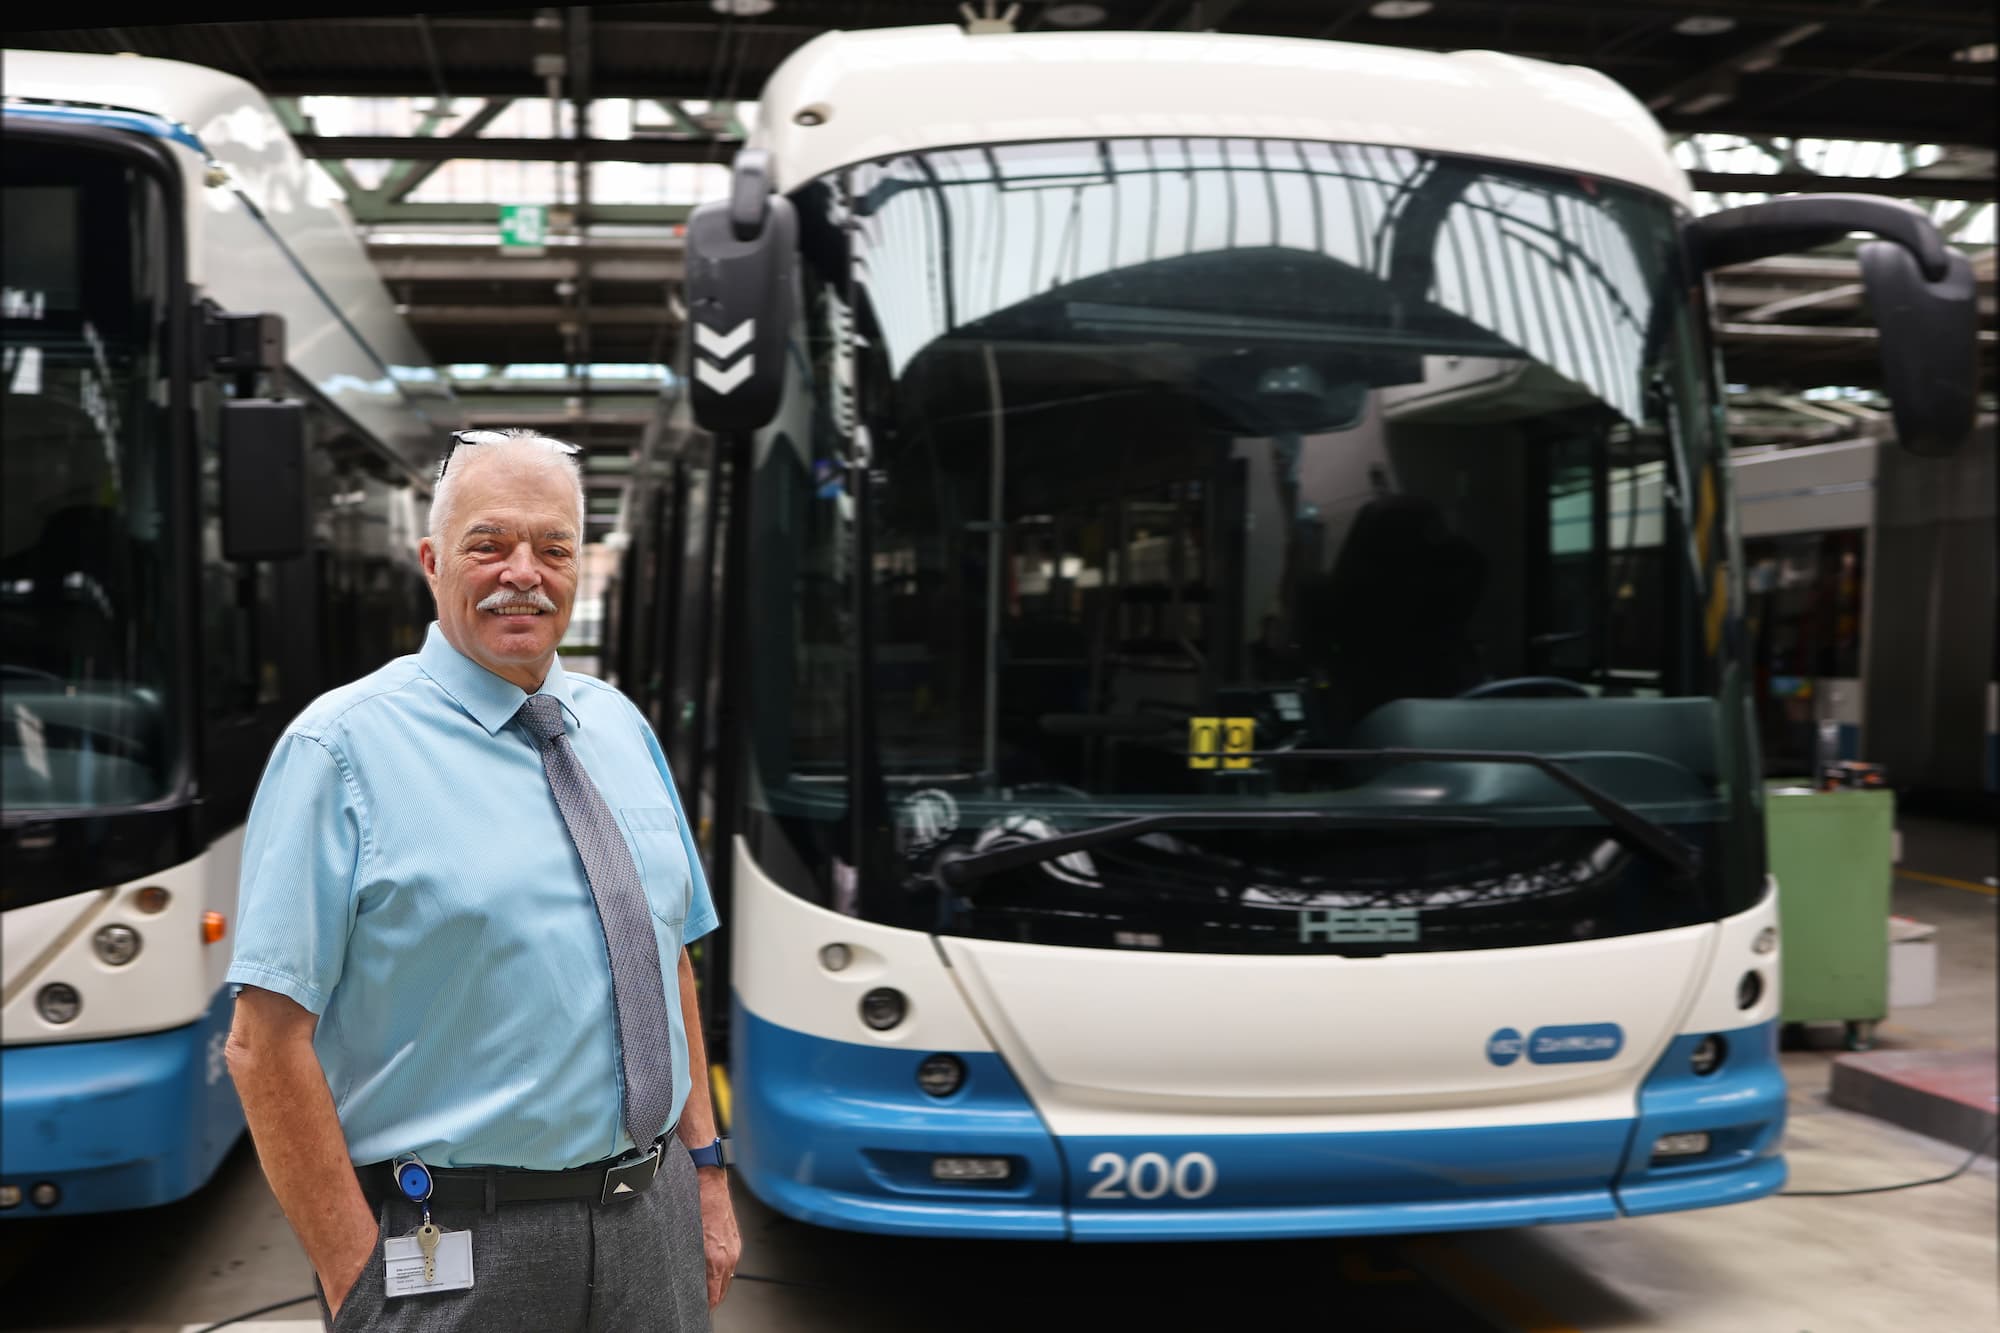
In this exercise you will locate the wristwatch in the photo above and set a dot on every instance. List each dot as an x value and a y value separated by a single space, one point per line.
712 1155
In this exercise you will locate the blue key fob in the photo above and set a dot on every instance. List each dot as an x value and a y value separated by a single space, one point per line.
413 1178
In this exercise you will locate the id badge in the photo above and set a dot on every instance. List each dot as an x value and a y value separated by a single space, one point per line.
404 1265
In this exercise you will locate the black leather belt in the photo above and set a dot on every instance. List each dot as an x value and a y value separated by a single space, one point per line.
486 1187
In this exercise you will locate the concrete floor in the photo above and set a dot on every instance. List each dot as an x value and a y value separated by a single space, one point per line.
1912 1259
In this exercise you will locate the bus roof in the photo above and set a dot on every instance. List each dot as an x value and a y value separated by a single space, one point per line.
894 90
299 255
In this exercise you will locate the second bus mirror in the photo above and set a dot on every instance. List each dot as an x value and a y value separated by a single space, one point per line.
1920 290
742 261
264 498
1930 337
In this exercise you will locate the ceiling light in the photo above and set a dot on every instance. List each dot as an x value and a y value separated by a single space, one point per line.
743 9
1980 53
1704 25
1400 9
1073 16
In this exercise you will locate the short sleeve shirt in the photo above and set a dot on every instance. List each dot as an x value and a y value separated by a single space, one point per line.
408 877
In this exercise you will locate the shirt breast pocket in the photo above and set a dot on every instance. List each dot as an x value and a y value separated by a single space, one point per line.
655 837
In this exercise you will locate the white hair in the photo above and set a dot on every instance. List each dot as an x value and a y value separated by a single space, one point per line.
518 444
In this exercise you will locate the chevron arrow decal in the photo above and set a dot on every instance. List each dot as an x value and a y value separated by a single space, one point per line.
722 346
724 381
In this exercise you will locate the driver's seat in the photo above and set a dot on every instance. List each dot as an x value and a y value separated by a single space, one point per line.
1398 603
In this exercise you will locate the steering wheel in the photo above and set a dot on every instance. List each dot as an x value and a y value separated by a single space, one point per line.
1542 685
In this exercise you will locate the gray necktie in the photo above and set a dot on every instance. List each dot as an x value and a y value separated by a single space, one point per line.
636 987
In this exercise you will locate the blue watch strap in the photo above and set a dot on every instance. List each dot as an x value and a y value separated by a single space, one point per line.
712 1155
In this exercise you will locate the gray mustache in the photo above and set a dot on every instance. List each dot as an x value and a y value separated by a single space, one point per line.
534 597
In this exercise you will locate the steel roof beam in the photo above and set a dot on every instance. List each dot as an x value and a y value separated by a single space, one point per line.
626 417
1797 333
485 267
1971 132
1789 182
488 215
1895 18
406 148
408 174
533 316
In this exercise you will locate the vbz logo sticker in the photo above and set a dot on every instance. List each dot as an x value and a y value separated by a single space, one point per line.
1562 1044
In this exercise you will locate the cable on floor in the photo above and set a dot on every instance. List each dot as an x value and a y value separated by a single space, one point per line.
1963 1167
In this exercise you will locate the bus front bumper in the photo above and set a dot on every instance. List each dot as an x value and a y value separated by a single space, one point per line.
839 1134
126 1122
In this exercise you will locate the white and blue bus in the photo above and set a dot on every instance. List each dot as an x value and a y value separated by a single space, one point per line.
1133 580
1869 578
215 430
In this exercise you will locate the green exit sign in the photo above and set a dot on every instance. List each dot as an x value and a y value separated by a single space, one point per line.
523 228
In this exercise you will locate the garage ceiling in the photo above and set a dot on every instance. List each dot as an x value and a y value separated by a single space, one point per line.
1824 68
1774 71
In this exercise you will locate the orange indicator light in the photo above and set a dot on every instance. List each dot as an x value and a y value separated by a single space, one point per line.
213 925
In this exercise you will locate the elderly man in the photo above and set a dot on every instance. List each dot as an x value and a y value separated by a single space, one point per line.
465 1033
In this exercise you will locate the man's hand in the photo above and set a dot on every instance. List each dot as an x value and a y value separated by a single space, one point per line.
721 1247
720 1243
350 1273
298 1137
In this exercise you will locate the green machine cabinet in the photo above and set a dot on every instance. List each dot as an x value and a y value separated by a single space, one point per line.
1833 853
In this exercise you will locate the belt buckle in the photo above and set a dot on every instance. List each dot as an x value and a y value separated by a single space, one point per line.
630 1178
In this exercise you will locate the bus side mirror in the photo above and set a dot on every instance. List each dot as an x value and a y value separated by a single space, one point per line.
1930 337
1921 291
742 262
265 513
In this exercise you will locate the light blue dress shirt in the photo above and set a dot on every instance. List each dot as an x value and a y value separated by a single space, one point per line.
408 877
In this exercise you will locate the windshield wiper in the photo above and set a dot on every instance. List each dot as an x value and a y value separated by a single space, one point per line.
959 871
1629 826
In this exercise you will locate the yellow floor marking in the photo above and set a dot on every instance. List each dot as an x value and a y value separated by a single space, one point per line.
1949 882
718 1093
1492 1295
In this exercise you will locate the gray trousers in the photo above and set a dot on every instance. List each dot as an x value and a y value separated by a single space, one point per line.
634 1264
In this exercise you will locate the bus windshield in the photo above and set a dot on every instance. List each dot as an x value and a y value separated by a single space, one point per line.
87 653
1123 480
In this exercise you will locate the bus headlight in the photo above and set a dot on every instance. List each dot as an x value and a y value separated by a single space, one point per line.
835 957
941 1075
1766 941
116 945
58 1002
883 1008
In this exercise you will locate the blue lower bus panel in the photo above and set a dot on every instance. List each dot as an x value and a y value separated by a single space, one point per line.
839 1134
127 1122
1740 1106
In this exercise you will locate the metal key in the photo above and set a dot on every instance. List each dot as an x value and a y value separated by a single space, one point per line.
427 1241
